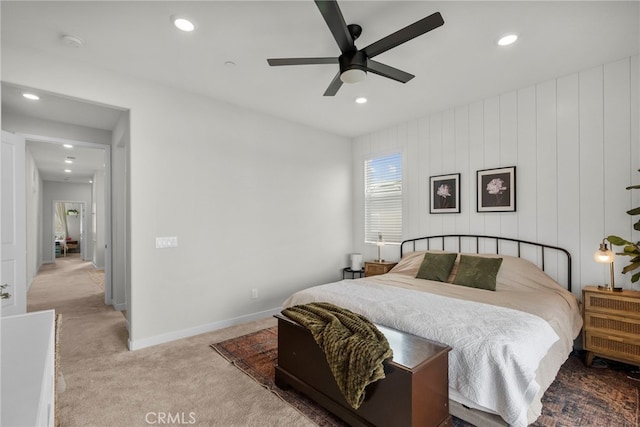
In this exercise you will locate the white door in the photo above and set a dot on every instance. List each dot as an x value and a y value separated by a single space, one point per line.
13 269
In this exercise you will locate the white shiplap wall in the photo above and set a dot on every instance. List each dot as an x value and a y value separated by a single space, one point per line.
575 144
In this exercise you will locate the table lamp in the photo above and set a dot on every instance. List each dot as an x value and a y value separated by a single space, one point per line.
379 243
605 256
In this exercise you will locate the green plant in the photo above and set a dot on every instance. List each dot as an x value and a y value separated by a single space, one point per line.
4 295
72 212
630 249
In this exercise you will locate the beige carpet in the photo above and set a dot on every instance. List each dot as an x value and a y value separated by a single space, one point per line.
183 381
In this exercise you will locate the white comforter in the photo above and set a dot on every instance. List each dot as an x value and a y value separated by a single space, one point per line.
497 372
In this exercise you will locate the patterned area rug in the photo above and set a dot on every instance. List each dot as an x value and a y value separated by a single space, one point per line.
256 354
579 396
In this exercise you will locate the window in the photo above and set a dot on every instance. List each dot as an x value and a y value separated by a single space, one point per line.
383 199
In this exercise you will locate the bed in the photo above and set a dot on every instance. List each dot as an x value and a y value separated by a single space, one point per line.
507 344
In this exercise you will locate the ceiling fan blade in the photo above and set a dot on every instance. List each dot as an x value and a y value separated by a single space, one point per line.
333 17
387 71
335 84
301 61
404 35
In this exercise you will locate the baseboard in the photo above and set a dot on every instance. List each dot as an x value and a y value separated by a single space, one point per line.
190 332
119 307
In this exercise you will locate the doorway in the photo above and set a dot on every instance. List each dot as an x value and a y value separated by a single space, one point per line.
83 128
75 207
68 227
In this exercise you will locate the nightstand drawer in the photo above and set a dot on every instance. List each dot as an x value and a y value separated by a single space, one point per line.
614 346
606 323
612 303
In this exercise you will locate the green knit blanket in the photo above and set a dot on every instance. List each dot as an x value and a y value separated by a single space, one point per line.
353 346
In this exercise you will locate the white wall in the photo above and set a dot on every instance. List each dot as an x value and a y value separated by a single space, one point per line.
64 192
255 201
574 141
34 218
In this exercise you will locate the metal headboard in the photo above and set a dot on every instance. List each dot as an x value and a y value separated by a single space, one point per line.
459 238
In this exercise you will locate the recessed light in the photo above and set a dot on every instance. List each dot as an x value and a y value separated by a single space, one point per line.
361 100
68 146
31 96
229 64
68 161
183 24
67 170
90 182
507 39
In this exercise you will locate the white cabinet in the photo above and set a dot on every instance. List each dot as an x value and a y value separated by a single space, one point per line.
28 369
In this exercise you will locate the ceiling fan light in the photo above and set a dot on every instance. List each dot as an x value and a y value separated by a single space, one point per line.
353 75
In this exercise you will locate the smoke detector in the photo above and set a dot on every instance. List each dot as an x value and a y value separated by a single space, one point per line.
72 41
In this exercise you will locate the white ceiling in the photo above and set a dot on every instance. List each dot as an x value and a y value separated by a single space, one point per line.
455 64
50 160
50 155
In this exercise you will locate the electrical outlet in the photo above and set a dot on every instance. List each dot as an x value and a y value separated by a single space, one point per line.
254 293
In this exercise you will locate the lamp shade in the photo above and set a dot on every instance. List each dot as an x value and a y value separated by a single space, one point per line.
356 262
604 255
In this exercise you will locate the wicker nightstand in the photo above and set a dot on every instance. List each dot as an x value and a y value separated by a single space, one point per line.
372 268
611 324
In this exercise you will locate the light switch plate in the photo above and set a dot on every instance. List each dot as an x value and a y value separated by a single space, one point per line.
166 242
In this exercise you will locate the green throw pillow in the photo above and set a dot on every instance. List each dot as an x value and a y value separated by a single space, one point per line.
436 266
478 272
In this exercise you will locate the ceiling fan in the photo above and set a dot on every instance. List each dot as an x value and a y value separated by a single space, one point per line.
355 63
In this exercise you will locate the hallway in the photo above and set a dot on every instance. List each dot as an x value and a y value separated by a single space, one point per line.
89 328
58 282
75 289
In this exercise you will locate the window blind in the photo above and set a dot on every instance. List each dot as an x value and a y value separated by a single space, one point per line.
383 198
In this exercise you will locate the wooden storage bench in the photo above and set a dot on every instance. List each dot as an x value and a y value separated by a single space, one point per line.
415 391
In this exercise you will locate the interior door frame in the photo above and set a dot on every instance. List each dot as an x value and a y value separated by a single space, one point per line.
13 251
108 292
